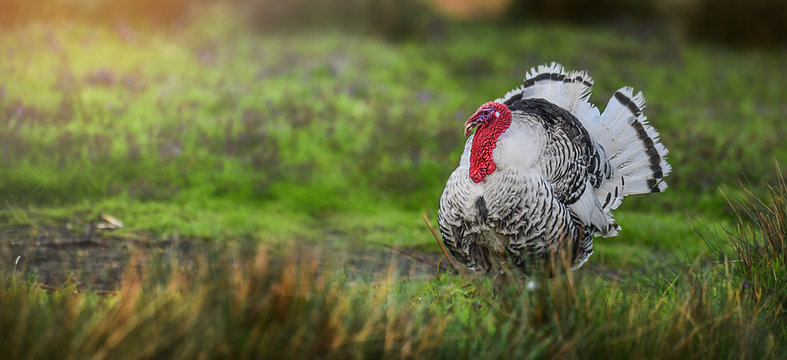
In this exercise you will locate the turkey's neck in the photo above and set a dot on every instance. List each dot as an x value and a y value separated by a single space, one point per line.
484 143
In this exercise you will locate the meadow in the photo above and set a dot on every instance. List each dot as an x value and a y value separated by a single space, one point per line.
271 187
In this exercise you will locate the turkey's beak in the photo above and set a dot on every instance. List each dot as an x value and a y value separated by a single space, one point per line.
471 124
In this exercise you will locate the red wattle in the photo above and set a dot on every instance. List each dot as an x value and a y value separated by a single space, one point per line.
484 143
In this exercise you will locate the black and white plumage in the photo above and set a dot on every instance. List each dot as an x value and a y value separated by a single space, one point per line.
543 172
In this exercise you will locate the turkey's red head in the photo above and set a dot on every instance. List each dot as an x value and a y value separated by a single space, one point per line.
488 114
490 121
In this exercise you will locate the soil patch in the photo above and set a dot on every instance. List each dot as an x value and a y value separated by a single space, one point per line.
97 260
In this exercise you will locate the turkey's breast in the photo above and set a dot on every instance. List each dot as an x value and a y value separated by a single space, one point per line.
511 215
521 146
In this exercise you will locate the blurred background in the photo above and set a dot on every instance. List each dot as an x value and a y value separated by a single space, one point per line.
338 121
757 22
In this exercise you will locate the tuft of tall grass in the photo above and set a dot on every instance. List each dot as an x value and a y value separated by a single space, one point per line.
759 240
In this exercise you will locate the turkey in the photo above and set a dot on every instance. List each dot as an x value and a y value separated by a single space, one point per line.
544 170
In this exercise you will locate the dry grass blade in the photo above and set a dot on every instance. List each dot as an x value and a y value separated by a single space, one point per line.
442 247
410 255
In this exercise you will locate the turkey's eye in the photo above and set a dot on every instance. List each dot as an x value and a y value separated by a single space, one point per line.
486 111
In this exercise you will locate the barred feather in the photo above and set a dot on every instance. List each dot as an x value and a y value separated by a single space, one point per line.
633 149
562 167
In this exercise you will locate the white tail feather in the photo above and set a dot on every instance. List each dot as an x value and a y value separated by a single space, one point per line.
569 90
633 149
632 146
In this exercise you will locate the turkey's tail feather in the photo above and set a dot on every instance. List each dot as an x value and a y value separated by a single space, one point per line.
632 147
569 90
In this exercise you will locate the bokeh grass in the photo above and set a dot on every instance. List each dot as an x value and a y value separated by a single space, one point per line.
208 118
95 113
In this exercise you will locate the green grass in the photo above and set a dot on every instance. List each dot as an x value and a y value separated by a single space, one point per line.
184 124
339 141
315 121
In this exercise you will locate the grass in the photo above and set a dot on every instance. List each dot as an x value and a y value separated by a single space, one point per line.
243 304
259 146
758 242
309 127
315 121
